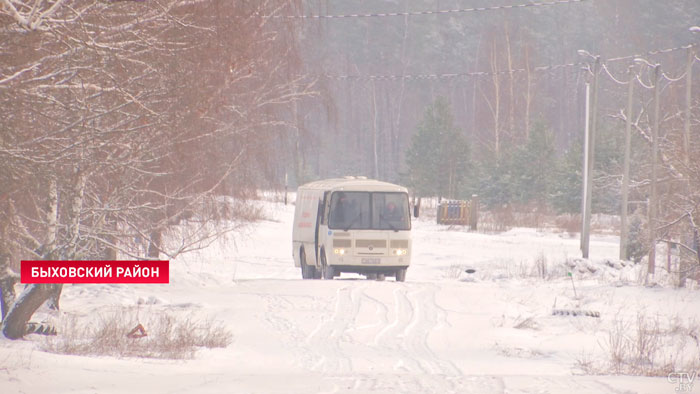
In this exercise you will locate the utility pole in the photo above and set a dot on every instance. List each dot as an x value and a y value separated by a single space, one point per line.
688 85
584 190
590 155
654 158
624 231
686 141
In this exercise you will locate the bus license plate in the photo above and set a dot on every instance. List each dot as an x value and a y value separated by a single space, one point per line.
371 260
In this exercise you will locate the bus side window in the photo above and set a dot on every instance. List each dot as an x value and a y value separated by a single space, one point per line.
319 212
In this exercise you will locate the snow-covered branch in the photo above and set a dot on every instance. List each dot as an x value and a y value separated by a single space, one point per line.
31 16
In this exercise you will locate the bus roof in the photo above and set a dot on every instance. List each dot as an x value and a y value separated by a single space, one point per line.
353 184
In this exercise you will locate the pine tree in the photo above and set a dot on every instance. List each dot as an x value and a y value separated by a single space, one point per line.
438 158
566 196
494 178
534 167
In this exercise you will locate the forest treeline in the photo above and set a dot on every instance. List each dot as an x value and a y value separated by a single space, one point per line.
504 73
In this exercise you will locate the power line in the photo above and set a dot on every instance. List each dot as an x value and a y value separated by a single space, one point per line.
393 77
643 84
418 13
605 68
671 79
428 76
655 52
650 53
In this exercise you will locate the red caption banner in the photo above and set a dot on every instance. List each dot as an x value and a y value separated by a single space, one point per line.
94 271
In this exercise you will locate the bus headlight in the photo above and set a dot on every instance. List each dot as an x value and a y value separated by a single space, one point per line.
339 251
400 252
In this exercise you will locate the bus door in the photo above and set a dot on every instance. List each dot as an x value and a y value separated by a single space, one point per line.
320 219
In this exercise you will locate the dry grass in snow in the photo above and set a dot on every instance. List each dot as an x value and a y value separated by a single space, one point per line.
645 346
167 336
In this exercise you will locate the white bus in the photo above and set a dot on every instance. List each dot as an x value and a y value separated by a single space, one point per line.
352 224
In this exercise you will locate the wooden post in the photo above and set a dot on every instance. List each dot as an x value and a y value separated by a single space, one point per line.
474 212
464 213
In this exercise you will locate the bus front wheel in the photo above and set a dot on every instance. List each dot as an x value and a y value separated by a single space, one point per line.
401 274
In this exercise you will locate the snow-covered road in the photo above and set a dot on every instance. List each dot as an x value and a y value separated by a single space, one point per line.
440 331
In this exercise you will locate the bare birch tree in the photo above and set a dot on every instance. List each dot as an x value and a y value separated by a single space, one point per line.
130 123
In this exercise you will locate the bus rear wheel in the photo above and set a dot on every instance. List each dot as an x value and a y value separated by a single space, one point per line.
327 271
307 271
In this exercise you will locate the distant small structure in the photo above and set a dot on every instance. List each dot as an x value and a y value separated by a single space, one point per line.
459 212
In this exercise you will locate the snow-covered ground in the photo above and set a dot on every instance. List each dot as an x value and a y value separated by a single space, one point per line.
441 331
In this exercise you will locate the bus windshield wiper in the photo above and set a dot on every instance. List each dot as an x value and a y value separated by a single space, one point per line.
383 219
352 222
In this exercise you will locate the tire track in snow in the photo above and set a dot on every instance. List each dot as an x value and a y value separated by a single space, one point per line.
416 316
279 306
392 336
387 344
275 305
403 320
429 317
327 339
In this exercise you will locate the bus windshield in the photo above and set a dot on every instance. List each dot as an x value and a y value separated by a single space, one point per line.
369 211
